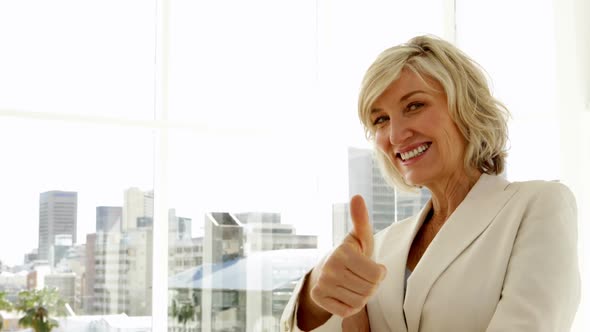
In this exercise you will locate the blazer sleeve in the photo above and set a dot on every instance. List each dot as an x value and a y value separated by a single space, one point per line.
289 317
541 290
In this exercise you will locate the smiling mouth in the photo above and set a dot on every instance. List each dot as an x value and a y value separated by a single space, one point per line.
405 156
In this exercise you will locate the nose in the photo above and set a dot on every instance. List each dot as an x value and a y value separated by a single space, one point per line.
399 132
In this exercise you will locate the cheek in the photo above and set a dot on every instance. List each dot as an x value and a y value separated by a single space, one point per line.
455 144
382 142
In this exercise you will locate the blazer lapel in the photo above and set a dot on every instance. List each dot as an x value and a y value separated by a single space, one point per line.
392 250
467 222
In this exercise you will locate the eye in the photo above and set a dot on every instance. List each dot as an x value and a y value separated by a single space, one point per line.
380 119
414 106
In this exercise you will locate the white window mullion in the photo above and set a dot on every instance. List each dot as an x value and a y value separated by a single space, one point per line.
160 235
450 20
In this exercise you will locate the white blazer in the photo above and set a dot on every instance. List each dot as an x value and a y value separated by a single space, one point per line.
505 260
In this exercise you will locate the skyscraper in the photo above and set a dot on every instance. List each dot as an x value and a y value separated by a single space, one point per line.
90 274
385 205
239 286
364 178
108 218
138 207
58 214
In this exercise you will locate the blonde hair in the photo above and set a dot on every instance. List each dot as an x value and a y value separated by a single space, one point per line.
481 118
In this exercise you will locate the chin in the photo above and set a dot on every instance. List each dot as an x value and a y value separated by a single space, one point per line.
411 182
415 181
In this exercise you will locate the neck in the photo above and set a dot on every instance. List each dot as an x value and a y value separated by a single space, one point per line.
448 194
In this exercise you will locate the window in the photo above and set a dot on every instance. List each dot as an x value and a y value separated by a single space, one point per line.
77 95
192 193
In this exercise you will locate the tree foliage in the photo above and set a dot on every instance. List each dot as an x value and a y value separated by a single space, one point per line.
4 305
38 306
47 297
184 312
38 318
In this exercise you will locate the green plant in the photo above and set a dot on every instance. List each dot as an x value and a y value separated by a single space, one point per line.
38 306
183 313
38 318
47 297
4 305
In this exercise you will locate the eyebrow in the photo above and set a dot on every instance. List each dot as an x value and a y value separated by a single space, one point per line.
401 100
409 94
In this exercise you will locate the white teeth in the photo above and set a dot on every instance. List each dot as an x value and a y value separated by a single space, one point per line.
414 153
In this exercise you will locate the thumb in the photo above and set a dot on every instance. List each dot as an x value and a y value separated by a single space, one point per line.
362 230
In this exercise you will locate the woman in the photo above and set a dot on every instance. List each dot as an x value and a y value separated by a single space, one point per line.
484 254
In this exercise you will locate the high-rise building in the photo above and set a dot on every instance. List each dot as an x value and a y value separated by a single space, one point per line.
32 256
138 206
74 262
138 252
58 214
184 251
385 205
247 296
89 274
123 273
264 231
179 228
364 178
184 255
65 283
58 250
108 218
120 278
341 223
110 274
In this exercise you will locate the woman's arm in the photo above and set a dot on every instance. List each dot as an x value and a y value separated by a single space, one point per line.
541 290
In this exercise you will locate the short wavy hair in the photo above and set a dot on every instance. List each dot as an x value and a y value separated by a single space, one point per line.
481 118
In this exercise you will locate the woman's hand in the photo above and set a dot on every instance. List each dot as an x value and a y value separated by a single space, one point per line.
344 281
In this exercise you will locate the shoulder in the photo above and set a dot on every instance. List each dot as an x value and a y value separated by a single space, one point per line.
545 207
544 193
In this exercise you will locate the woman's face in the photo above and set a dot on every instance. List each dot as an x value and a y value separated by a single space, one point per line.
414 130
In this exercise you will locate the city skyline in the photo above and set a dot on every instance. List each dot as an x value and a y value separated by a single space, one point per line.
85 275
86 224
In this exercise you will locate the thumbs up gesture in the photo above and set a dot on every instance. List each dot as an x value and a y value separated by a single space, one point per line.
344 281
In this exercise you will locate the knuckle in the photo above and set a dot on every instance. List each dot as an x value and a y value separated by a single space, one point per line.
316 294
348 250
371 292
374 273
324 278
339 255
340 312
332 263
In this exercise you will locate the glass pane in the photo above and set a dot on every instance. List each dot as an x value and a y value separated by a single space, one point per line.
86 58
80 203
244 66
243 228
258 198
534 126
